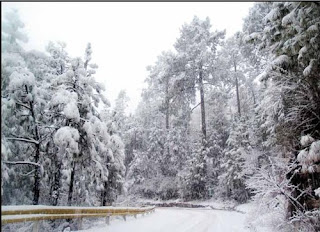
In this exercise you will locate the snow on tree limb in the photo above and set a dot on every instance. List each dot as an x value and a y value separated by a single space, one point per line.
27 140
22 162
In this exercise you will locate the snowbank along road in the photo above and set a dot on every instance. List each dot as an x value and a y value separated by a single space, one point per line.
178 220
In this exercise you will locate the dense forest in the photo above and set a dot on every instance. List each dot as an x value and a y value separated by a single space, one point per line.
232 118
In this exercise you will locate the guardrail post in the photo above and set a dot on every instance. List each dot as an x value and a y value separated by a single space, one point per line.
108 219
80 223
36 226
124 217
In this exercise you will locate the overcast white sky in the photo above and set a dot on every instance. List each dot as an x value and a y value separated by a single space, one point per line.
125 36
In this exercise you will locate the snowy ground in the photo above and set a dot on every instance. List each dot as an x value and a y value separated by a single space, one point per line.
178 220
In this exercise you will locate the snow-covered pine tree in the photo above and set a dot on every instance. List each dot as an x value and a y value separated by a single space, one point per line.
119 114
22 109
196 50
291 35
76 105
232 179
218 131
165 113
115 126
144 171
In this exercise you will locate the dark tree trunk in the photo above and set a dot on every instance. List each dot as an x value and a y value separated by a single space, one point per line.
167 105
108 194
55 189
203 112
167 110
36 185
71 183
104 194
237 89
238 98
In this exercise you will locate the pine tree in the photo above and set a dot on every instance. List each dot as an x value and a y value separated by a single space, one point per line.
21 103
196 49
290 33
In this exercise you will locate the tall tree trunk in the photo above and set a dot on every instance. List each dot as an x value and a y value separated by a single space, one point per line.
104 194
203 112
36 185
71 183
55 188
108 193
201 186
167 106
237 89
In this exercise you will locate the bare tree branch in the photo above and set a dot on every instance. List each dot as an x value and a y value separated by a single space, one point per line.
24 140
22 162
24 105
195 106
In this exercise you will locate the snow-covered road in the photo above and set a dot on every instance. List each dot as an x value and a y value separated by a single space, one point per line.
178 220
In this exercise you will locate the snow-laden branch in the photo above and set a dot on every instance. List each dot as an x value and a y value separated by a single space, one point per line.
50 127
22 162
24 140
29 173
24 105
195 106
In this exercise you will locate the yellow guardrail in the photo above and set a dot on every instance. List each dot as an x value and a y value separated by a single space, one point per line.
14 214
70 210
